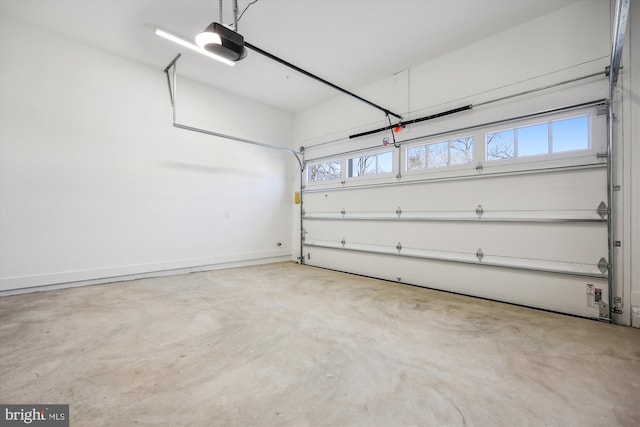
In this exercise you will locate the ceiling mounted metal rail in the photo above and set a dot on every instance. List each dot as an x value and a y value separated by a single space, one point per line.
619 31
320 79
170 71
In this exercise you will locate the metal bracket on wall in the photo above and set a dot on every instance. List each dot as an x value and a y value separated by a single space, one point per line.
603 210
171 73
479 255
604 311
602 110
603 265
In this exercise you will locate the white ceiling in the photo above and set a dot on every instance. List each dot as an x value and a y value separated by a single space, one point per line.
351 43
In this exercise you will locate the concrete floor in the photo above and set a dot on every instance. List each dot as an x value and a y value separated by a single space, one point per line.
284 344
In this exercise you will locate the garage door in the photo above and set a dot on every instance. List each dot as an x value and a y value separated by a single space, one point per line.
513 210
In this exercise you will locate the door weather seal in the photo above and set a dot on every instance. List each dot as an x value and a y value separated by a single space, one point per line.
619 31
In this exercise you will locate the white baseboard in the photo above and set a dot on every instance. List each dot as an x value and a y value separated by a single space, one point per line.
70 279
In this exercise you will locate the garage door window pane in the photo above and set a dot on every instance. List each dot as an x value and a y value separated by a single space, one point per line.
570 134
437 155
384 162
373 164
533 140
461 151
440 154
501 145
416 157
325 171
557 136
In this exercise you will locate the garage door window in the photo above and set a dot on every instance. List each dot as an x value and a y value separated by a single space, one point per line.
457 151
322 172
541 139
371 164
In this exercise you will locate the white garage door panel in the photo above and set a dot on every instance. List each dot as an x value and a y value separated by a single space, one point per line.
565 294
536 241
570 194
505 231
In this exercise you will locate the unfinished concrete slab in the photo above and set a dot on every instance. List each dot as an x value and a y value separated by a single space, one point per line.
285 344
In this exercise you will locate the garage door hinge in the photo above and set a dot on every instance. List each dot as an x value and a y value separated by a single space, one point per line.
603 265
480 255
479 167
399 247
603 309
602 155
344 242
602 110
343 212
479 211
303 213
603 210
398 211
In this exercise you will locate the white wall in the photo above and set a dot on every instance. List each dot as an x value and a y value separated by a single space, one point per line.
96 183
568 43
